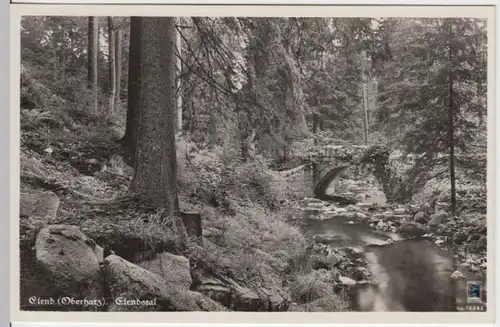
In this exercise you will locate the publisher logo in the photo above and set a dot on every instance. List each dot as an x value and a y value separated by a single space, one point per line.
474 289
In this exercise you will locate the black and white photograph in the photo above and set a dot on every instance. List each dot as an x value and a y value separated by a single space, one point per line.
256 164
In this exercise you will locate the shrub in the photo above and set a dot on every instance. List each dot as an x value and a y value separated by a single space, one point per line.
117 165
330 303
311 286
252 243
212 177
35 94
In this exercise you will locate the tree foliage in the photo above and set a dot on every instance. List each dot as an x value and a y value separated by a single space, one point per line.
261 87
426 63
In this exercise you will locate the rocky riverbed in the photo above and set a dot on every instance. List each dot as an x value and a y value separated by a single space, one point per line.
378 246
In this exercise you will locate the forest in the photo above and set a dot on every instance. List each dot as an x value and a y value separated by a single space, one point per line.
251 164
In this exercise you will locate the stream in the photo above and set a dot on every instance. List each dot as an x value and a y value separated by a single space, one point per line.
405 274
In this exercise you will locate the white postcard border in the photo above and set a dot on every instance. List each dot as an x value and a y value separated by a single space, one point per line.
241 317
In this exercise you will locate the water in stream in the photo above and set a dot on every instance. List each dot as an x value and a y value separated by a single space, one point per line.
406 275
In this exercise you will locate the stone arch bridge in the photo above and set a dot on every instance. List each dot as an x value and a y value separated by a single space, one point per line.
321 167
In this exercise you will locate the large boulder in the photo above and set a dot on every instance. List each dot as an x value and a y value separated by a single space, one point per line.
216 290
412 229
437 219
277 302
346 281
239 297
294 307
421 217
32 167
361 273
174 269
245 299
136 289
70 261
36 210
325 260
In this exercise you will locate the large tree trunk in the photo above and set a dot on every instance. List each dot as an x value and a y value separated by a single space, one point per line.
62 57
479 83
364 77
93 50
192 116
72 55
112 66
134 88
315 123
451 131
118 68
365 106
178 64
55 59
155 159
315 130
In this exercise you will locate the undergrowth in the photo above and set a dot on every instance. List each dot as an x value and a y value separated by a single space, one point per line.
246 236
